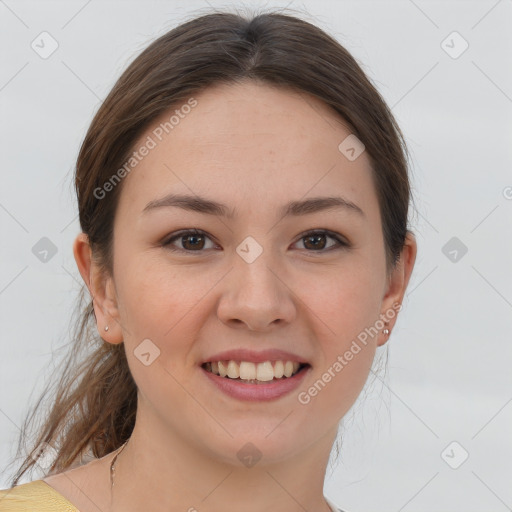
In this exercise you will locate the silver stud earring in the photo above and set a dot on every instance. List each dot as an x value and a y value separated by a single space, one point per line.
106 328
385 331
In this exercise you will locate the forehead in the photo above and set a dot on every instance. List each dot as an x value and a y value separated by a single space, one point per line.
250 144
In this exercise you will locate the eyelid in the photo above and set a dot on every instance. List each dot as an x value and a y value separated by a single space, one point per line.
341 241
323 231
176 235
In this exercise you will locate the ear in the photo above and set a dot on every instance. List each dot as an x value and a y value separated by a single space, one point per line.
396 285
102 291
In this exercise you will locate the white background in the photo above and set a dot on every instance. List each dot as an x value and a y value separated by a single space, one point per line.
449 372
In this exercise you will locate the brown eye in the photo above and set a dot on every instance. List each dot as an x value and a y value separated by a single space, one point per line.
315 241
195 241
191 241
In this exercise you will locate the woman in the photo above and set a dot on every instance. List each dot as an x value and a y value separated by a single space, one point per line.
243 197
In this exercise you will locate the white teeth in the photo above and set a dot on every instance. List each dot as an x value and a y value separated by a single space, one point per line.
278 369
246 370
222 369
265 371
233 370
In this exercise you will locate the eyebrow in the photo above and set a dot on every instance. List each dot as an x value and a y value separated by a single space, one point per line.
293 208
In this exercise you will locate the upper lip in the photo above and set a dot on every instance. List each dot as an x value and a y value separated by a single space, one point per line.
242 354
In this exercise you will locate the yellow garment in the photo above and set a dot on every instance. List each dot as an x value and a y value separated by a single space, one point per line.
36 496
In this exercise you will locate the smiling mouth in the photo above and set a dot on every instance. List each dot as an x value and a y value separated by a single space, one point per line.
254 373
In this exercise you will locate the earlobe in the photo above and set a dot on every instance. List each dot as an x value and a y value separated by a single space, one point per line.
384 333
101 290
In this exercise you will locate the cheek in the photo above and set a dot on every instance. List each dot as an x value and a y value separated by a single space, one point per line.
164 303
348 304
151 282
338 383
159 304
345 298
348 307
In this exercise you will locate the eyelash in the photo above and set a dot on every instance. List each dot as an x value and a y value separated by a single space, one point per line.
341 244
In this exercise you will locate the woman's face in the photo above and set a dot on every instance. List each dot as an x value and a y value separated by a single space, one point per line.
252 280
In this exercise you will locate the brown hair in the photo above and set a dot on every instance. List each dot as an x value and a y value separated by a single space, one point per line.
96 398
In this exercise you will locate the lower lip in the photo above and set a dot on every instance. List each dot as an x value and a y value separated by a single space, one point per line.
257 392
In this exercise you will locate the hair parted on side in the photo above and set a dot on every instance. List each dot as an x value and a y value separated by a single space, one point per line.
93 407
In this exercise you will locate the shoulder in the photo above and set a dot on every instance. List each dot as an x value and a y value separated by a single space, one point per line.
36 496
333 505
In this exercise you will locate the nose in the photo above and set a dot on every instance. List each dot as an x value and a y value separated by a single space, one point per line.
256 296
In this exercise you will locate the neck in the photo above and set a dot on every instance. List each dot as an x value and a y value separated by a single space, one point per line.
164 471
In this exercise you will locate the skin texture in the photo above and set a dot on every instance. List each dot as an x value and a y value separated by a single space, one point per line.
254 148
